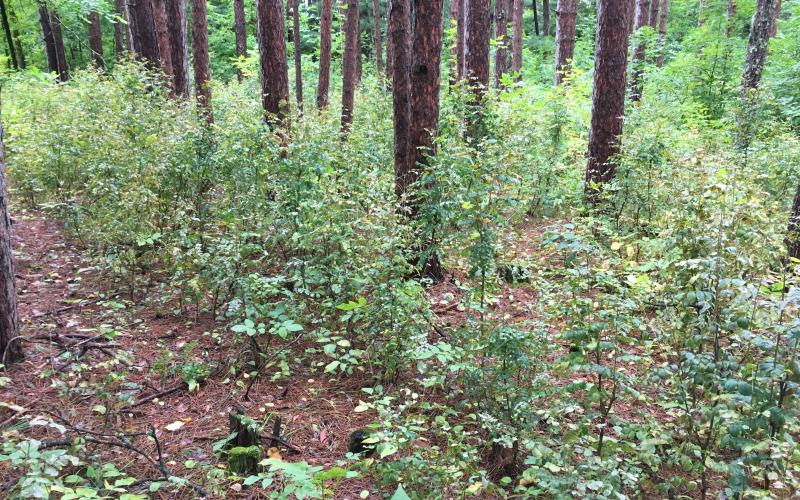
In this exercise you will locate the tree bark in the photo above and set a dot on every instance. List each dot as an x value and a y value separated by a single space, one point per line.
501 40
298 53
546 17
425 85
476 45
566 19
17 39
535 17
376 14
662 33
349 65
47 37
652 17
793 235
757 44
179 50
10 352
145 41
122 28
399 27
608 94
61 56
96 40
324 54
642 18
202 74
461 29
776 12
274 67
9 38
516 41
240 31
162 33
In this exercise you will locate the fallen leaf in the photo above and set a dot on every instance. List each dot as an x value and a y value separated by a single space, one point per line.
275 453
174 426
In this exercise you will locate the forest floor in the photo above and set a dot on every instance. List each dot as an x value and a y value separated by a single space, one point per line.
84 340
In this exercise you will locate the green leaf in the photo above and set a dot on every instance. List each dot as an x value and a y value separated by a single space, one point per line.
400 494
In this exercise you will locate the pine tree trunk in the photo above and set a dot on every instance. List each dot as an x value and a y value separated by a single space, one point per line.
179 50
349 65
535 17
17 39
461 28
162 33
424 108
145 41
476 45
566 19
202 74
47 37
757 44
376 15
516 41
10 351
608 93
546 17
642 18
730 18
122 31
501 40
652 17
96 40
793 236
274 67
298 59
776 12
399 27
61 56
662 33
240 31
324 54
9 38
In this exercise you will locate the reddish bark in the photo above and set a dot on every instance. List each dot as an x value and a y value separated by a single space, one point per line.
122 32
274 67
389 45
652 17
324 54
642 18
566 18
10 350
349 64
516 41
608 94
145 41
461 28
476 45
298 53
662 33
501 39
773 27
96 39
240 31
162 33
61 56
399 26
202 75
47 37
179 51
376 16
758 44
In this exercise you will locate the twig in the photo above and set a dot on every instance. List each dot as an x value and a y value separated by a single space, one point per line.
147 399
59 310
